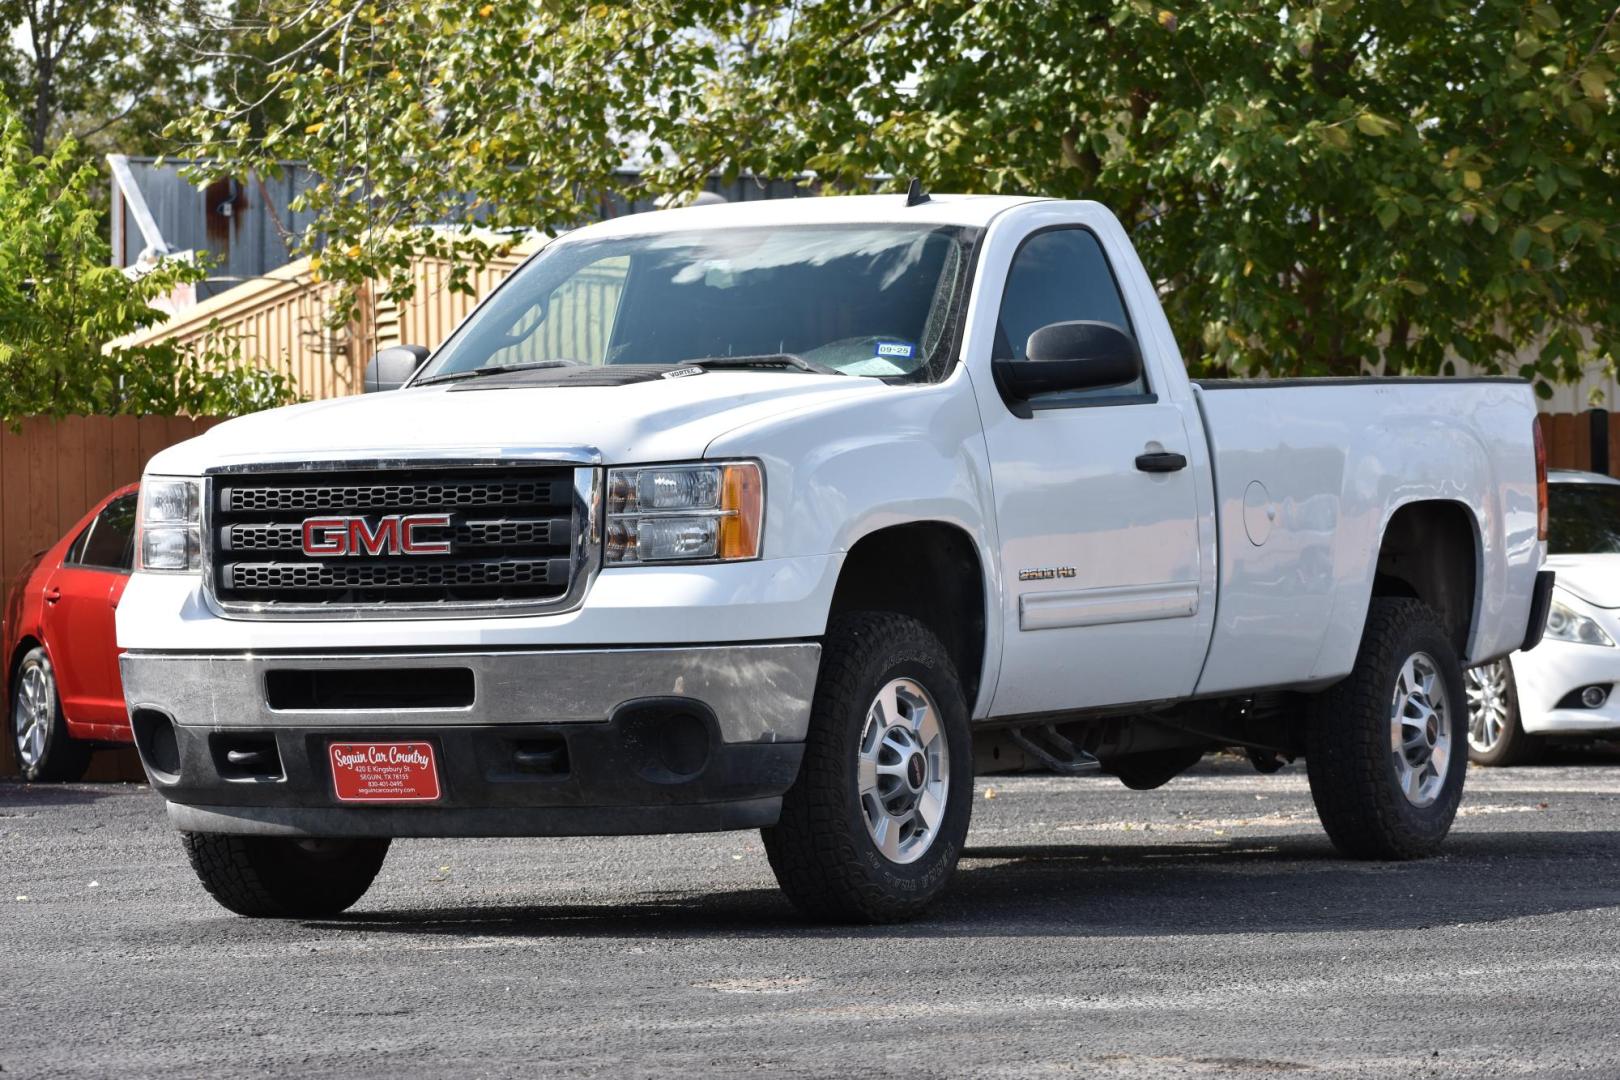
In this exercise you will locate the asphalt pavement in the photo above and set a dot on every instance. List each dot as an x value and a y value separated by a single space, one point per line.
1204 929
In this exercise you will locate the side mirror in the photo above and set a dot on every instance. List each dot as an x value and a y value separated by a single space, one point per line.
1077 355
389 369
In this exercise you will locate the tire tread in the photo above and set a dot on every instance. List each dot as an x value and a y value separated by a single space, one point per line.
239 873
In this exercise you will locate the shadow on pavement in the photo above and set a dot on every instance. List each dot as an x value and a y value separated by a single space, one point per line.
1286 885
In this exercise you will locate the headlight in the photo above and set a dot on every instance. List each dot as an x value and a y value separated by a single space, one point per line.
685 513
1566 624
168 532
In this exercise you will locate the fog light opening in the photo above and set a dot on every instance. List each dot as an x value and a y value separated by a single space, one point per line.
156 743
1593 697
668 740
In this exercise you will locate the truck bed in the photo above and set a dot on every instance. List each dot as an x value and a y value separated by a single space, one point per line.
1307 472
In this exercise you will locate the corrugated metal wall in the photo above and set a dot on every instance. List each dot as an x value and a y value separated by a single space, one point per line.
235 222
245 225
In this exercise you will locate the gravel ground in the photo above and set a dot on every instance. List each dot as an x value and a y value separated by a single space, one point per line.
1204 929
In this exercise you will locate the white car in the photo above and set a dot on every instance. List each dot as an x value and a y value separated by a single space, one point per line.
1566 686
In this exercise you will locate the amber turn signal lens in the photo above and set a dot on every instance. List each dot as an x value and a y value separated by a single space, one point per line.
742 499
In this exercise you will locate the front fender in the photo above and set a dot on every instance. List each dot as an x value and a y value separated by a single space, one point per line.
841 470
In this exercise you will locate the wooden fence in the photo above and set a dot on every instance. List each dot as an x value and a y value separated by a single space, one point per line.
51 473
1587 440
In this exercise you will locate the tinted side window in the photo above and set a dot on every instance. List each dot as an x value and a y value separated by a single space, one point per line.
1060 276
108 544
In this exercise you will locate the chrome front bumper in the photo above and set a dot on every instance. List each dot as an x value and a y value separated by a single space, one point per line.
757 693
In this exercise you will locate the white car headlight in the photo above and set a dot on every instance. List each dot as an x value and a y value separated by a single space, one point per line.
1566 624
168 526
685 513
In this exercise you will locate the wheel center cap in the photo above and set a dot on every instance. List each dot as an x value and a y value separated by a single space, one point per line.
916 772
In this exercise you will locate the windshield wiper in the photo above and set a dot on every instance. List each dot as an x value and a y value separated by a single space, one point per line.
763 360
497 369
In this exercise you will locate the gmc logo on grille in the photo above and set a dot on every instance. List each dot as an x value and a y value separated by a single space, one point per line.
325 537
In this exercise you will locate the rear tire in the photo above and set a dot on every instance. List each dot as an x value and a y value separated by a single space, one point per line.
1495 735
873 827
39 735
273 877
1385 747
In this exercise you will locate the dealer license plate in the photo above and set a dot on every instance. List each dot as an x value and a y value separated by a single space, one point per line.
384 771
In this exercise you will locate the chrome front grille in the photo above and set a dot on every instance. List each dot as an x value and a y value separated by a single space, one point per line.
520 536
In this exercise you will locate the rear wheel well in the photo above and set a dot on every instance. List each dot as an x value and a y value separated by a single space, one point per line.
1430 553
931 572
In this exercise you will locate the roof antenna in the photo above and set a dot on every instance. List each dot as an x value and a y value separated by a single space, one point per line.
915 195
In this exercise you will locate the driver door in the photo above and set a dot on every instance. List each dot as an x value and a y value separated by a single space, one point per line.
1100 559
81 598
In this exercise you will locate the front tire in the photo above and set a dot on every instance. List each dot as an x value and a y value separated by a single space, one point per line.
873 827
1495 735
273 877
1384 746
39 735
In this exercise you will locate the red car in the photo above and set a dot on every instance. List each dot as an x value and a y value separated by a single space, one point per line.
61 651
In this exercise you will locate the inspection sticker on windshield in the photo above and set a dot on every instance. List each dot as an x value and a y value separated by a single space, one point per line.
384 772
900 349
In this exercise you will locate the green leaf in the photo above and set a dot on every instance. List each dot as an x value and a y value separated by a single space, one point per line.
1388 214
1377 126
1519 246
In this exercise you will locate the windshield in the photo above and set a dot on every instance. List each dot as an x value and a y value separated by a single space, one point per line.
1583 519
873 300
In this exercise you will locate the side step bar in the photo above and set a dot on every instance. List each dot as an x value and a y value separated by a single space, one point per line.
1058 754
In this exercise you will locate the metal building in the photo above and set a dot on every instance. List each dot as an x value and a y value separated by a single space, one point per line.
244 224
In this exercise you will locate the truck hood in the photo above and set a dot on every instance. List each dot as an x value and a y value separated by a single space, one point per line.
657 420
1593 578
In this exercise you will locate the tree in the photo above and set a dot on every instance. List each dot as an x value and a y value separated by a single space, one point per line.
62 303
93 68
1320 186
416 114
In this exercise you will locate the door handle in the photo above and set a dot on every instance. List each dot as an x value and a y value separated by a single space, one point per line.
52 595
1164 461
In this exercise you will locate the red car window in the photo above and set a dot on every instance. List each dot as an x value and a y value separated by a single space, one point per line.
107 544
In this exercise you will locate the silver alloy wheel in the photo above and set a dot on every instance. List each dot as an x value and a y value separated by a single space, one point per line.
1420 730
904 771
31 714
1487 687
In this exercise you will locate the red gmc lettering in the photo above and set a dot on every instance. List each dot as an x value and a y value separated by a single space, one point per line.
385 540
410 545
394 535
326 536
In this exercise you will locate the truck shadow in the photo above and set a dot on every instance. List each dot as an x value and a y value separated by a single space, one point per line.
1288 884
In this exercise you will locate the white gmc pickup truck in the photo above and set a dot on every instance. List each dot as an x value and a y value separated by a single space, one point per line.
793 516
